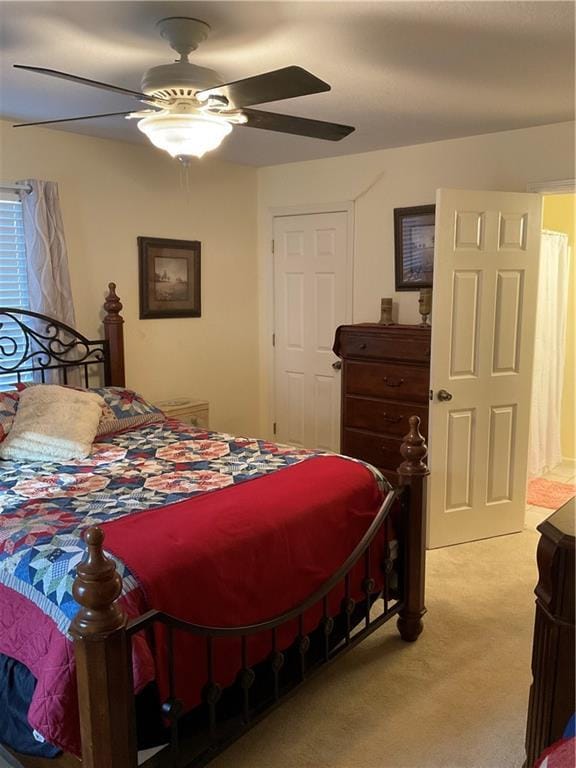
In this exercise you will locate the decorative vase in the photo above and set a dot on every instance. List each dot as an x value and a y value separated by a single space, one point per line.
386 312
425 305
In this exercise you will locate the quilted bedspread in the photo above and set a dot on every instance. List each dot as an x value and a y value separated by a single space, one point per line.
44 508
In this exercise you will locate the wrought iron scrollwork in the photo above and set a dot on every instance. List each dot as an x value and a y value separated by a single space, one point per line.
31 342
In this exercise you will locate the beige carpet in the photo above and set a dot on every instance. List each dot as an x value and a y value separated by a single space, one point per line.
457 698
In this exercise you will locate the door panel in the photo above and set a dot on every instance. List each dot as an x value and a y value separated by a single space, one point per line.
326 398
311 262
509 294
294 405
485 278
326 314
459 460
501 444
294 303
465 305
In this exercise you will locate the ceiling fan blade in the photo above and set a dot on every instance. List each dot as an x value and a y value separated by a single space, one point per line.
301 126
85 81
279 84
71 119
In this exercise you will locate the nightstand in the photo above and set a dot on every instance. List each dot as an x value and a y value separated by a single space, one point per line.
188 410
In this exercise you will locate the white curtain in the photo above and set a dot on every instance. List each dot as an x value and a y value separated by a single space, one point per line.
549 354
46 257
49 290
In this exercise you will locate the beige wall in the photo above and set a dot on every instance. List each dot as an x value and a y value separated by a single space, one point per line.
559 215
380 181
111 192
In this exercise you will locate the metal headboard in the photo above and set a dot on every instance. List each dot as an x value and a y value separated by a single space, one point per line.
32 346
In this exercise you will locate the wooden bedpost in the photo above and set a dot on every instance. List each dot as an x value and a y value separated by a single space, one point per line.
114 334
103 662
412 473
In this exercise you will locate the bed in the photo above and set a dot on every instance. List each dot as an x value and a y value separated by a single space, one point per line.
175 586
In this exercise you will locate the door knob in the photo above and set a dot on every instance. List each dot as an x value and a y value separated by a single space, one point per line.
337 365
443 395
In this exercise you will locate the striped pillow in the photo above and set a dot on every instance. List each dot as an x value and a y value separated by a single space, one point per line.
125 409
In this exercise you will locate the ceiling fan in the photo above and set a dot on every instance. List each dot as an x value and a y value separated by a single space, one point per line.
189 111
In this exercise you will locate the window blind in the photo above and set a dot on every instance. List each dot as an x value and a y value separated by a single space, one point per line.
13 278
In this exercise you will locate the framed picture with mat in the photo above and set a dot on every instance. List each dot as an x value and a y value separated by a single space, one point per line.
169 278
414 247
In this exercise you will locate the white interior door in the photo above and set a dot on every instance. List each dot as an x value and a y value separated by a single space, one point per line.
311 299
485 283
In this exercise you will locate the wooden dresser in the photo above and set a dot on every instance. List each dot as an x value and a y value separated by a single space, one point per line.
552 693
385 380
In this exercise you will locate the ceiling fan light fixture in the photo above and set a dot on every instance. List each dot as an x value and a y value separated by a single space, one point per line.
194 110
185 135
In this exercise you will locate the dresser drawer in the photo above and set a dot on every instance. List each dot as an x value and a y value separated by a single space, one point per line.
385 416
372 347
382 452
388 381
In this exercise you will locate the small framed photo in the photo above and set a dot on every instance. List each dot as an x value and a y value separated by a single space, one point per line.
169 276
414 247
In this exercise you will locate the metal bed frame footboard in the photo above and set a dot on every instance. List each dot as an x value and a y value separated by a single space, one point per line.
221 735
103 638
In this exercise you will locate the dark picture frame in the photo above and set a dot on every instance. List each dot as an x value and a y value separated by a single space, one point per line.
414 247
169 277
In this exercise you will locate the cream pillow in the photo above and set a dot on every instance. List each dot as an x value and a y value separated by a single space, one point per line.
53 423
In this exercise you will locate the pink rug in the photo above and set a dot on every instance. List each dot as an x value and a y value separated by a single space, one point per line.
549 493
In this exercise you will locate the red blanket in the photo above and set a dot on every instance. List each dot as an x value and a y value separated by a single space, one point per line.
243 554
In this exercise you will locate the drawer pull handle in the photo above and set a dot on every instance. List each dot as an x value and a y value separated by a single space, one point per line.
392 382
392 419
362 346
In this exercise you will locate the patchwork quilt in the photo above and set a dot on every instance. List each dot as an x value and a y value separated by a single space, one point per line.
44 509
45 506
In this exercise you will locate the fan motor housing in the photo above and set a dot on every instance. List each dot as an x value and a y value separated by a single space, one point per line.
178 80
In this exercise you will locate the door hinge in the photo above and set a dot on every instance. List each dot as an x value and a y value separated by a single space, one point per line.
273 339
272 246
274 428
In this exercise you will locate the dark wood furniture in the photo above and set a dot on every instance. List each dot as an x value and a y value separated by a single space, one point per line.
551 701
385 380
102 633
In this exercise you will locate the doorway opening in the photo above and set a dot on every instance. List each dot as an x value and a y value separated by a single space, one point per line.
552 445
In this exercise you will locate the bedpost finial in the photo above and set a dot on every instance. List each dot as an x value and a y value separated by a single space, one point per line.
94 537
414 450
112 305
114 333
96 588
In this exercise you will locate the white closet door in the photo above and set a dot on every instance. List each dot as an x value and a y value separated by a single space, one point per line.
311 294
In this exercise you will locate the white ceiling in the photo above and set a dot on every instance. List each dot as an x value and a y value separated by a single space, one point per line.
401 72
